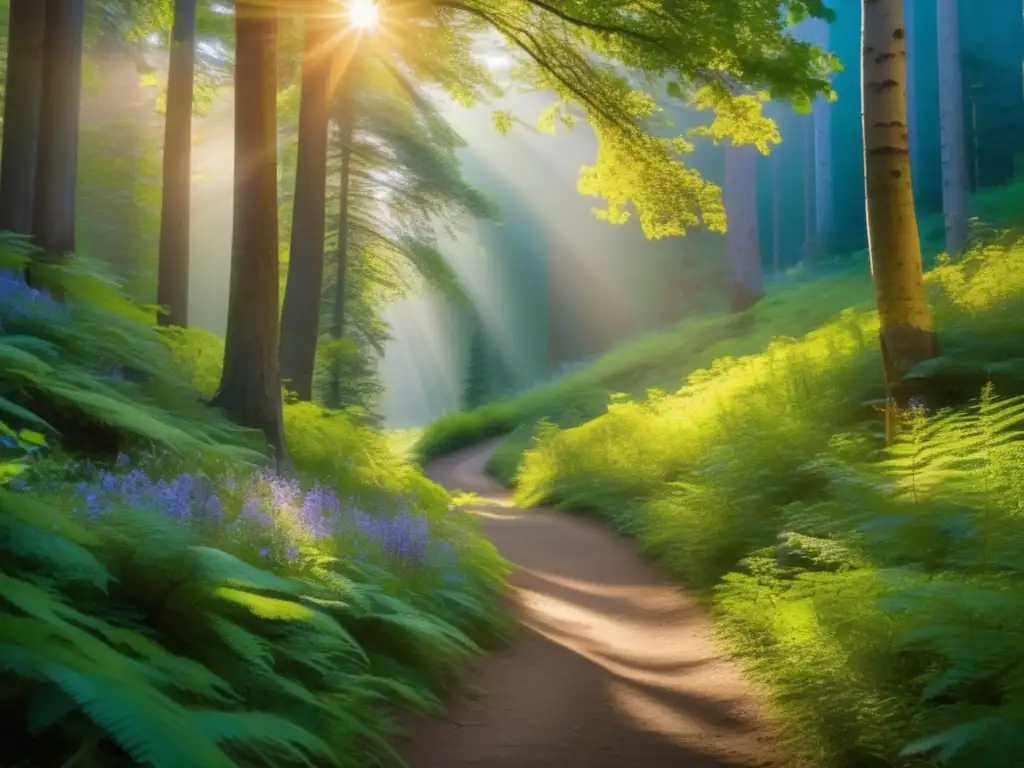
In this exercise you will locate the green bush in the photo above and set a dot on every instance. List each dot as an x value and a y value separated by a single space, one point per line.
875 590
165 601
658 361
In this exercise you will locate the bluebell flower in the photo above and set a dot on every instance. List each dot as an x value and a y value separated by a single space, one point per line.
20 301
276 516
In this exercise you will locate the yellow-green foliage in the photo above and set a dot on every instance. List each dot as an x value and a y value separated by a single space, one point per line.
879 599
660 360
329 446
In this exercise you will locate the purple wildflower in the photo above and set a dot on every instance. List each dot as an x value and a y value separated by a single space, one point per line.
252 512
275 516
20 301
403 537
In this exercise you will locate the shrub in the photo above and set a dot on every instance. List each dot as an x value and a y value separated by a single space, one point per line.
165 601
872 589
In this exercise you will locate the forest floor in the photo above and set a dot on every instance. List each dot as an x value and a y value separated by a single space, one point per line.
614 667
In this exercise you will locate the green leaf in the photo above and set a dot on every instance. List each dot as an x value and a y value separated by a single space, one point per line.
951 741
503 121
32 438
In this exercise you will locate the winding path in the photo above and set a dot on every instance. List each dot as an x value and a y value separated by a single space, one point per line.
615 668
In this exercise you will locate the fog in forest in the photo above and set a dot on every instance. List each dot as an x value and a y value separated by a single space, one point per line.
552 285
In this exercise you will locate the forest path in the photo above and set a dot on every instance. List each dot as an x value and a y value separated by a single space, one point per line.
615 668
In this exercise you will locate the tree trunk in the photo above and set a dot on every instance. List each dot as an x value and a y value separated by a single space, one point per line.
951 127
909 13
556 306
250 386
745 282
907 331
345 129
53 220
22 104
822 117
173 272
300 317
776 215
810 195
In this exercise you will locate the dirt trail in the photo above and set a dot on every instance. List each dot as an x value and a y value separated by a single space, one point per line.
615 668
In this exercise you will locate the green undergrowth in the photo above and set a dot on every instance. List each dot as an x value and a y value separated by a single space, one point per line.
658 361
167 601
803 302
876 591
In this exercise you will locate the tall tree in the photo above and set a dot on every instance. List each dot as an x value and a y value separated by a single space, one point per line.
776 215
909 23
745 40
250 386
300 314
743 252
53 220
822 117
475 385
951 127
175 213
907 330
399 179
22 101
346 127
810 193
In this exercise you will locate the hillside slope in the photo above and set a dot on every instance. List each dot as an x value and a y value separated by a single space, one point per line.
875 590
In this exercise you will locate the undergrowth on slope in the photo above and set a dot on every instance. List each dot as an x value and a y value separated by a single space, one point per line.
167 601
805 300
660 360
875 590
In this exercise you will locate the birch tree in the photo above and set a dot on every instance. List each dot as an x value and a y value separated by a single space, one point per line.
907 329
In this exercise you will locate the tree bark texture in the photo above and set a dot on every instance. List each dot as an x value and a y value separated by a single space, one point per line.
909 12
173 270
23 96
907 331
300 317
250 387
743 253
53 220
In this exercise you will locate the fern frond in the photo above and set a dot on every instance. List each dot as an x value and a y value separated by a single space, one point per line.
266 735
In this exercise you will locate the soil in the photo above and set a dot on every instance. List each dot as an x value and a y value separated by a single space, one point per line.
615 668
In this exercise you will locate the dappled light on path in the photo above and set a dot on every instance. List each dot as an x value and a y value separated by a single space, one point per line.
614 667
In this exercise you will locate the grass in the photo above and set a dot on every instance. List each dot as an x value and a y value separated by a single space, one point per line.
798 305
871 589
659 361
875 591
165 600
